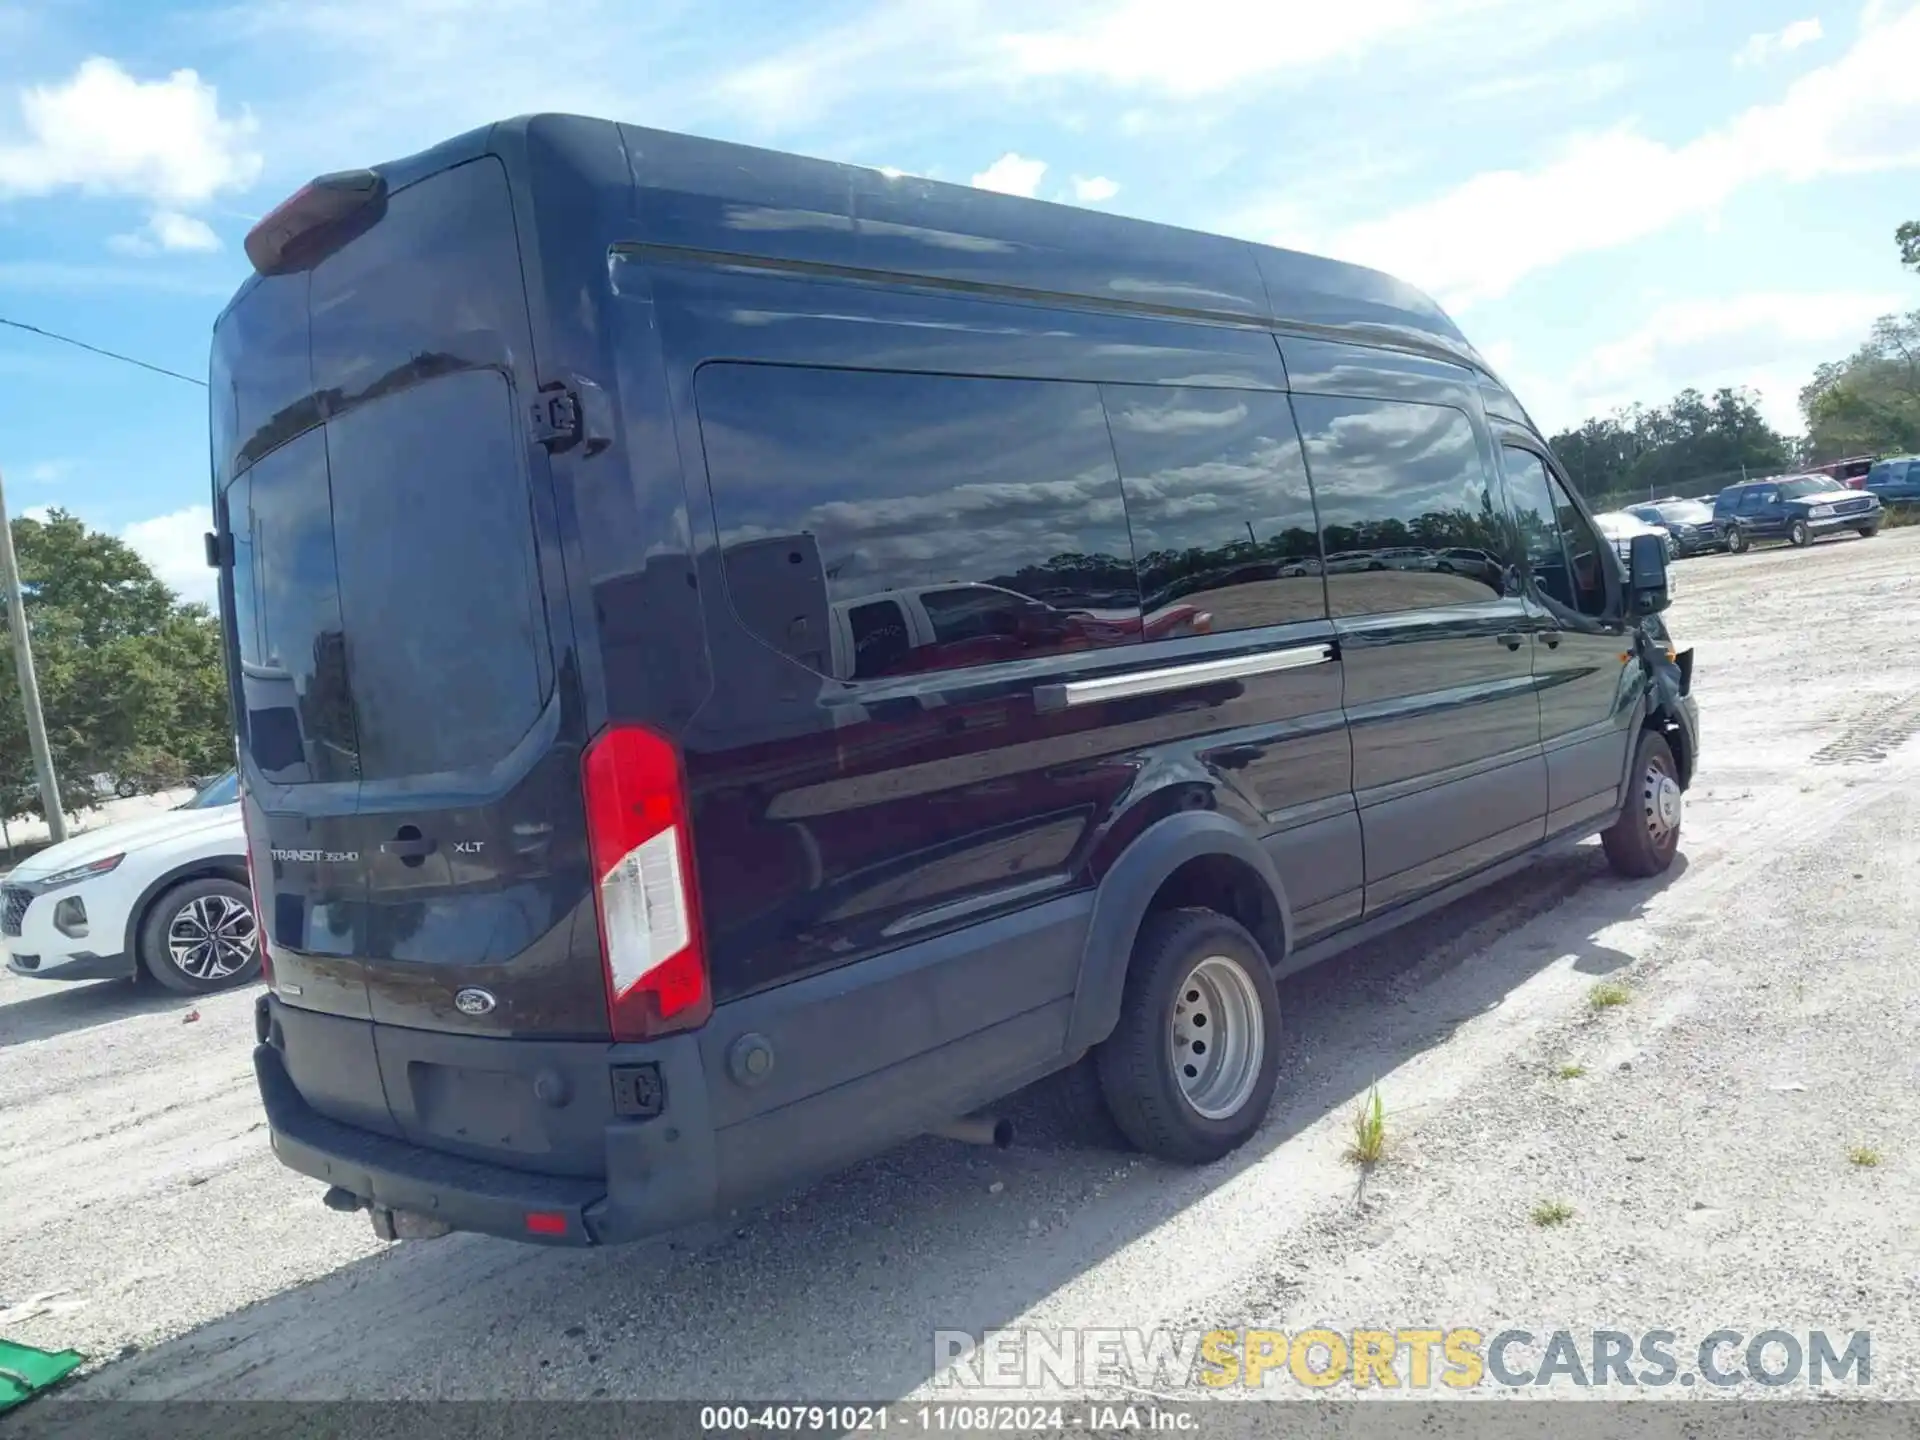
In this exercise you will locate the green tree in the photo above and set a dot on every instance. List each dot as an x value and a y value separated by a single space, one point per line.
1664 449
1869 403
131 680
1908 238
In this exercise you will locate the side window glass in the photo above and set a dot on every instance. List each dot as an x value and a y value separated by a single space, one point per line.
836 489
1406 506
1586 553
1531 495
1224 531
882 643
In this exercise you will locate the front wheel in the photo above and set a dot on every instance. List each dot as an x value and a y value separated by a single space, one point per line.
1736 541
201 936
1189 1072
1799 535
1644 840
1867 532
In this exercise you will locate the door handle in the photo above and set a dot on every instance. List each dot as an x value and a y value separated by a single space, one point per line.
1510 638
408 847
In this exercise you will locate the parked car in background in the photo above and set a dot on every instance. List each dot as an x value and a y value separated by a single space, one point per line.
1851 473
1620 526
1795 508
165 895
1689 522
1895 481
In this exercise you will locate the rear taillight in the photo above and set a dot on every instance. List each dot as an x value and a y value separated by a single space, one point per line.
315 220
642 852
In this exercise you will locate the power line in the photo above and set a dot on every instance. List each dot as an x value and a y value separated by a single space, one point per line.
110 354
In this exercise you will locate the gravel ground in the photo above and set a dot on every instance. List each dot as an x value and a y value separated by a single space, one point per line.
1702 1155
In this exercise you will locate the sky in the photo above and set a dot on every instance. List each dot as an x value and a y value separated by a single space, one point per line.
1614 198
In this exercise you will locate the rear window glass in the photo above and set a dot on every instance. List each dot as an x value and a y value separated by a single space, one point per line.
437 580
1223 519
836 491
298 721
388 617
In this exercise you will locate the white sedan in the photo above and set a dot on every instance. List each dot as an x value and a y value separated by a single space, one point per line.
166 895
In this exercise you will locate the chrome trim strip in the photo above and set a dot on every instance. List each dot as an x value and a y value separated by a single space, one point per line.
1047 698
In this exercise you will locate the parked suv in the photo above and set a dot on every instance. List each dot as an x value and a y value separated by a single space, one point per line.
1795 508
616 865
1689 522
1895 481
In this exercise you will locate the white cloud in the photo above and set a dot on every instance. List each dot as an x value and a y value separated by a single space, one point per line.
1094 189
1198 47
1012 174
104 132
48 472
173 546
41 513
1859 115
1770 341
1763 47
167 230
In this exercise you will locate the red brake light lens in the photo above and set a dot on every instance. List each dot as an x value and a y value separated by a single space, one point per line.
306 226
546 1222
641 846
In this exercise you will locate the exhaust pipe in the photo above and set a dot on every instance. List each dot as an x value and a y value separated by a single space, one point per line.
977 1130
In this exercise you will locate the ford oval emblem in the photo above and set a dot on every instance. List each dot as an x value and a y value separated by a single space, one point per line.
473 1001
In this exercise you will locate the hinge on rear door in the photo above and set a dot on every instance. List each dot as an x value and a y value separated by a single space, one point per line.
567 415
556 420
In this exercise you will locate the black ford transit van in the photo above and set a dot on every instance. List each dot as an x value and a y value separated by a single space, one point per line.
740 661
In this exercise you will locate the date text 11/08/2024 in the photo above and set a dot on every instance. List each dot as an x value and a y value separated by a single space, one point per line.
959 1418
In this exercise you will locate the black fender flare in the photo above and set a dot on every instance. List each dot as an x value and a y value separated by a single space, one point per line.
224 867
1128 889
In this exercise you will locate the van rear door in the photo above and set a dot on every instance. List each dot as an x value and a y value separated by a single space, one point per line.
410 738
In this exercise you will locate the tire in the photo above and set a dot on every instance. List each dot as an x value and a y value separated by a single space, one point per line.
173 918
1867 532
1799 535
125 789
1202 972
1736 540
1646 837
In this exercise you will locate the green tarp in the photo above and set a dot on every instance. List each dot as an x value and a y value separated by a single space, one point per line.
25 1371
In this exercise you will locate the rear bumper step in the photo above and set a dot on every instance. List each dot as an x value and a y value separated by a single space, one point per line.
396 1175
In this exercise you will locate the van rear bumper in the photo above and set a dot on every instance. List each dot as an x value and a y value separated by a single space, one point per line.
861 1058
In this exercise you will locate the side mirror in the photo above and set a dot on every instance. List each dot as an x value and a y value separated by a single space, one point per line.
1647 589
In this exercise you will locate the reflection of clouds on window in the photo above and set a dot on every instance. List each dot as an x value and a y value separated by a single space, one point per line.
911 480
1222 517
905 483
1406 507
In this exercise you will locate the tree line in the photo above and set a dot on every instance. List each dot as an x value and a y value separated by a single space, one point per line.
131 679
1867 403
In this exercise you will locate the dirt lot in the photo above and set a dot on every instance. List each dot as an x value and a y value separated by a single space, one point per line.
1684 1160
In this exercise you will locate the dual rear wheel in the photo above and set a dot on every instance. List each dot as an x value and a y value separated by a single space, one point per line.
1189 1072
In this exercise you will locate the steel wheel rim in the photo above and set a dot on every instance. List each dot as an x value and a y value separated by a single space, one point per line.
211 937
1660 804
1216 1040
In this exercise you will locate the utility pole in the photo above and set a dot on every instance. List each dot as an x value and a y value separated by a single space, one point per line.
29 685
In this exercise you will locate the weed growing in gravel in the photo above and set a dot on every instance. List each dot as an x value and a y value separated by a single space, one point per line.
1865 1156
1571 1072
1549 1213
1607 994
1369 1131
